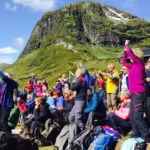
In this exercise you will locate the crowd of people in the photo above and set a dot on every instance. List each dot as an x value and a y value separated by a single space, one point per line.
116 96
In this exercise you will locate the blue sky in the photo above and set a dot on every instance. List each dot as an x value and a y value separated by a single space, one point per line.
18 18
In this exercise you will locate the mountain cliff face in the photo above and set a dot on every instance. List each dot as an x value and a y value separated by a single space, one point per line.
86 32
87 23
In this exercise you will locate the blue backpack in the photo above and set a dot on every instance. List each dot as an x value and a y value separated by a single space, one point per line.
2 90
134 144
103 142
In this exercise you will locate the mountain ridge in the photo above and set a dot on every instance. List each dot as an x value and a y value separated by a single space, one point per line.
78 33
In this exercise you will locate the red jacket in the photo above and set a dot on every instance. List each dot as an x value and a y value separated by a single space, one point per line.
22 106
29 86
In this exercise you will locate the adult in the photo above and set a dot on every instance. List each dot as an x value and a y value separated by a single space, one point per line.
147 68
80 86
92 81
112 83
124 82
120 118
68 104
137 90
7 99
33 79
94 106
58 105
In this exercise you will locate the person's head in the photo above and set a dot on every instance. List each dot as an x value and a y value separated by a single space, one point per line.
63 76
101 84
44 80
124 94
58 82
39 82
89 94
19 99
125 70
33 75
138 52
93 73
56 94
39 101
80 72
67 94
9 75
110 67
29 81
29 96
49 93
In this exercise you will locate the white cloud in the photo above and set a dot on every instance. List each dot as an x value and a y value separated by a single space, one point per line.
19 42
6 59
37 5
8 50
10 7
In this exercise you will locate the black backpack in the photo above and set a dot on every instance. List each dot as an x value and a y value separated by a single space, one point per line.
10 141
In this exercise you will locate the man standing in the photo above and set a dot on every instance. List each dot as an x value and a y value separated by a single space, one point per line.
112 82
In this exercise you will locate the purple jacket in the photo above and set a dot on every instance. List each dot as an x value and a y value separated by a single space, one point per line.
137 72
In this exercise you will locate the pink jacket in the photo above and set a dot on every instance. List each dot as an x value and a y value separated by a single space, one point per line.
124 110
38 88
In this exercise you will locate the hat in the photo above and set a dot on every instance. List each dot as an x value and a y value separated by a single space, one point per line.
101 82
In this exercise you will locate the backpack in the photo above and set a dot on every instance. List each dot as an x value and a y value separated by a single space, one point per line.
103 142
2 90
111 131
83 140
73 132
13 117
134 144
10 141
48 136
62 138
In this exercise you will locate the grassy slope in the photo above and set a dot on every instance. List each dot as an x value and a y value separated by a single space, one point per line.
51 62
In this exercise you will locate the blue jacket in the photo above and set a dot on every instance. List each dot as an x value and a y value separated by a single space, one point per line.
87 76
80 87
59 102
7 100
50 102
30 102
95 105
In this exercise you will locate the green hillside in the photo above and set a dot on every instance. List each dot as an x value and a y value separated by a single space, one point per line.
86 32
51 62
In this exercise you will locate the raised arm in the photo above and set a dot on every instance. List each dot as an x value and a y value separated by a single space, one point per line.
130 53
124 61
4 77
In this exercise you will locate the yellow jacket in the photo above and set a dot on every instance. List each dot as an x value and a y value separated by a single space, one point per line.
112 81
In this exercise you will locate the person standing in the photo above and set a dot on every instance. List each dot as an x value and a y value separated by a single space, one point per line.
7 102
112 83
137 90
80 86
